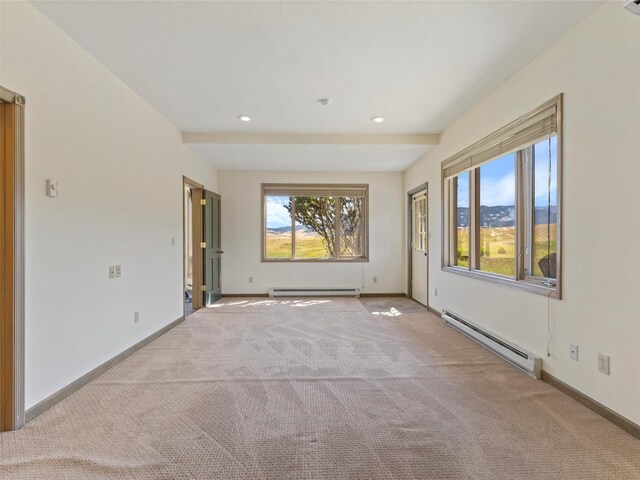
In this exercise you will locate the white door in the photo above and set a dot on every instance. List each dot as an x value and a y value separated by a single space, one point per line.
419 248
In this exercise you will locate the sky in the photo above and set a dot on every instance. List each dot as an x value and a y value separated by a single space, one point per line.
277 215
498 183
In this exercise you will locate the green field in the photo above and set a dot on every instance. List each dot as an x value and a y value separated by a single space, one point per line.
308 245
498 248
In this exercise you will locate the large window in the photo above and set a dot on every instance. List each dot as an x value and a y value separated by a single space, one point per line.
314 222
502 204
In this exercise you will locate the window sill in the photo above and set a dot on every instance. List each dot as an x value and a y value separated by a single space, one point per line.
529 285
315 260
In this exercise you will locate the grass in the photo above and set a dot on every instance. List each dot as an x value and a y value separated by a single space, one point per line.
307 246
498 248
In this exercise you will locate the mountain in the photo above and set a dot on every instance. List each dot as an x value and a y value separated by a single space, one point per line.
505 216
279 230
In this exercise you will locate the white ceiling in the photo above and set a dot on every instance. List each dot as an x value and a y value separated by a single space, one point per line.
328 158
420 64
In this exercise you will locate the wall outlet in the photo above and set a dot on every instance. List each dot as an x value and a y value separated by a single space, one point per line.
112 272
118 271
375 279
573 352
136 317
436 292
250 279
603 363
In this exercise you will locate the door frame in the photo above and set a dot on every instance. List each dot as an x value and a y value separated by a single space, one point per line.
410 194
12 403
196 237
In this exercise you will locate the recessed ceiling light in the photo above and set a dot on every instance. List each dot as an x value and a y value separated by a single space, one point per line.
377 119
244 118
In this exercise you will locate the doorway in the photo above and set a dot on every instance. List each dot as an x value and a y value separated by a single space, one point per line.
11 260
418 244
202 255
192 194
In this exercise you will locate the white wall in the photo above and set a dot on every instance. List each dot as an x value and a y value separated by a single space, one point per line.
119 164
597 66
241 236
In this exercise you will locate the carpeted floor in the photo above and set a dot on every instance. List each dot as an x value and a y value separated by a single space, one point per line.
317 389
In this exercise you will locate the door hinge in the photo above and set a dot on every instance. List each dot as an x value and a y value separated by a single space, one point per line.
203 288
203 244
203 201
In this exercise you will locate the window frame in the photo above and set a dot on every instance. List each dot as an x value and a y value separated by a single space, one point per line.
523 211
316 186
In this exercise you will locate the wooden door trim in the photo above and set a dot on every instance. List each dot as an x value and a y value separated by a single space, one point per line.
12 260
410 194
196 238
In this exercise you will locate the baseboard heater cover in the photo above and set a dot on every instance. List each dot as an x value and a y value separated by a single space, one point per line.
519 357
314 292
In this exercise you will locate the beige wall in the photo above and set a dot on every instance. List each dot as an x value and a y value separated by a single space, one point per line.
241 236
119 164
596 65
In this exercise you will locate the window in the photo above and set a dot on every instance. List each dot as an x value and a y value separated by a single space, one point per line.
502 204
420 222
315 222
461 217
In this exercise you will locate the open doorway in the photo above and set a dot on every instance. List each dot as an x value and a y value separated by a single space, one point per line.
192 252
418 244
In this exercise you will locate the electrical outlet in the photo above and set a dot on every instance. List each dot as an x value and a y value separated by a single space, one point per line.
436 292
118 271
250 279
375 279
136 317
112 272
603 363
573 352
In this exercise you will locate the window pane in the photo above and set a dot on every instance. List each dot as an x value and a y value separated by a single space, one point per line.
278 222
315 227
351 236
420 222
545 217
462 220
497 216
423 224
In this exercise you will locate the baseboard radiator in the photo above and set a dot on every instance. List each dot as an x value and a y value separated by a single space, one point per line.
314 292
525 361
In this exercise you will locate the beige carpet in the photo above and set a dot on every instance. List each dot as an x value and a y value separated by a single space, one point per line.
313 389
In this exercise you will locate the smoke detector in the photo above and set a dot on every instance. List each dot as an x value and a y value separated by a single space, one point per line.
324 101
633 6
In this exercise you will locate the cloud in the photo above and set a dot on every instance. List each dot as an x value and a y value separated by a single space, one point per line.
277 215
499 191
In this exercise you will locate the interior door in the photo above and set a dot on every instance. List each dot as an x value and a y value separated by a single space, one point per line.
211 246
419 248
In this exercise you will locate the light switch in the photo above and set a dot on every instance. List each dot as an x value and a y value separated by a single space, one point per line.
112 272
52 188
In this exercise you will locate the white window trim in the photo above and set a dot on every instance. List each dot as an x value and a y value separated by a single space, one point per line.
520 280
